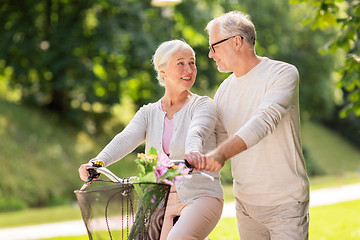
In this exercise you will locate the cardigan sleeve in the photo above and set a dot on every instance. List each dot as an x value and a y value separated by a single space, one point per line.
202 124
126 141
277 102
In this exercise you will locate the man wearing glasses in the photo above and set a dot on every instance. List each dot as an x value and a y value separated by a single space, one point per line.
258 128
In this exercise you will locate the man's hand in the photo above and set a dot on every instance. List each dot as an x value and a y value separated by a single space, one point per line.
211 162
215 160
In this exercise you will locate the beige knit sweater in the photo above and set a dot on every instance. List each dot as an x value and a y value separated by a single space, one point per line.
262 107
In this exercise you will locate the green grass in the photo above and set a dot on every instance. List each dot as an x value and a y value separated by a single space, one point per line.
43 215
332 153
334 181
40 156
331 222
226 229
334 222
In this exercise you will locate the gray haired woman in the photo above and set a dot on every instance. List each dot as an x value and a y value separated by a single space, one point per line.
179 123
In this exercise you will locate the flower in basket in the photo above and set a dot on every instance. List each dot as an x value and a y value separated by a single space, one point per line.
156 175
159 169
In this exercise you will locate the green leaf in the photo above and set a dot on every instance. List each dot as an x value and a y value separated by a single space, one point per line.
141 167
138 189
152 151
295 1
149 177
171 174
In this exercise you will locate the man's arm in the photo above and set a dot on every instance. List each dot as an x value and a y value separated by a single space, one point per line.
215 160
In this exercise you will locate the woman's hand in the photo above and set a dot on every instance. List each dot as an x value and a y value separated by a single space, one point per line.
83 173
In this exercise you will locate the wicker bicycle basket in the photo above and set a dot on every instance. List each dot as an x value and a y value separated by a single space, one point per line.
123 210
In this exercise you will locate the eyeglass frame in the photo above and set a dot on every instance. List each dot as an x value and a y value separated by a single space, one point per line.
211 47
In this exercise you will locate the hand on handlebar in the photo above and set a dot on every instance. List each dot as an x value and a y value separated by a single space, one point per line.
196 160
83 172
87 172
206 162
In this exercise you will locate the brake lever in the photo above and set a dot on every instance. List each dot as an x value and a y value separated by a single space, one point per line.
92 174
92 171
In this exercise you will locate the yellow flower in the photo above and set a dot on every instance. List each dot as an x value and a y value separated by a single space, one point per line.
146 157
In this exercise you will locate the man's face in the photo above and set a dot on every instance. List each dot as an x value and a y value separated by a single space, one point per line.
220 50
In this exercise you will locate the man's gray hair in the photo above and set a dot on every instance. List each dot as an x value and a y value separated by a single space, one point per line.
163 53
235 23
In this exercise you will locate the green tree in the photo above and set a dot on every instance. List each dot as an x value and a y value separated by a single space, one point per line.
344 16
281 36
79 56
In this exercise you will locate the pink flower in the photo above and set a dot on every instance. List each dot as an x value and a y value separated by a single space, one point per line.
153 199
160 171
164 160
185 171
168 181
177 178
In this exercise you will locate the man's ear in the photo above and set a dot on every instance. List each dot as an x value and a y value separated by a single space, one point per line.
238 42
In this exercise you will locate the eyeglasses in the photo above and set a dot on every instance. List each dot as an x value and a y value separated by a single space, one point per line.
211 47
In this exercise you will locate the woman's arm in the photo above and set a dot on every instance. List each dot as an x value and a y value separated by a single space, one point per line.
122 144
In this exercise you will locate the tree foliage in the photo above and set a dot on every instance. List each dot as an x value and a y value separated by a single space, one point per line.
79 56
344 15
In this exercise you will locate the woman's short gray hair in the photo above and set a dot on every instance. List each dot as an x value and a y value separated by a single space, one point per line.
163 53
235 23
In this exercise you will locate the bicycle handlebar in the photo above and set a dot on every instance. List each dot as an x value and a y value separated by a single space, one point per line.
97 169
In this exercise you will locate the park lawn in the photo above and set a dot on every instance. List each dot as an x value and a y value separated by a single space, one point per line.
338 221
331 222
43 215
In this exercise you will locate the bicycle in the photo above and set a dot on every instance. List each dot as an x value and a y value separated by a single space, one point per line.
123 208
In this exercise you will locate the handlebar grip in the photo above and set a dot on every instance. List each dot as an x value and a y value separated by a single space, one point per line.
92 170
183 161
187 164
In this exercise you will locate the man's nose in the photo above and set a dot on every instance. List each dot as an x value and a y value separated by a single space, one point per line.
211 54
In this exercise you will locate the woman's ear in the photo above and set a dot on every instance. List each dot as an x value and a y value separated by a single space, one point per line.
163 74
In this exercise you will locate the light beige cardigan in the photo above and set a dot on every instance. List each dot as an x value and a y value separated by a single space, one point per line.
194 130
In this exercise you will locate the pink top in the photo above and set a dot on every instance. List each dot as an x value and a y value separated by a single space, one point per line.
167 134
168 131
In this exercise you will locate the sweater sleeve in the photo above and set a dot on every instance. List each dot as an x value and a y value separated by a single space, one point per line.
202 124
126 141
277 101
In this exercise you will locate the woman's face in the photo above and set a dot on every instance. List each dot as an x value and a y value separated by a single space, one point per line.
181 70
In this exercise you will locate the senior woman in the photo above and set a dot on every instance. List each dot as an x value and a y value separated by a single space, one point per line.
179 123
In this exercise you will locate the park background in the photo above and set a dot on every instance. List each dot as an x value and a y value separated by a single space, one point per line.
73 73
